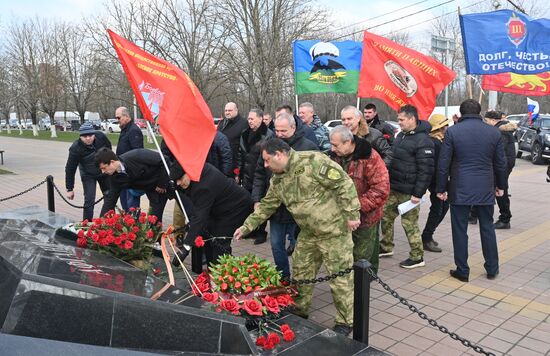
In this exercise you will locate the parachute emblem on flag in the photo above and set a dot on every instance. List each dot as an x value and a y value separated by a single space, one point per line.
153 97
326 69
517 31
401 78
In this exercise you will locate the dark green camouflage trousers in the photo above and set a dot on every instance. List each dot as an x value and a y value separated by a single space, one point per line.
337 255
365 245
409 221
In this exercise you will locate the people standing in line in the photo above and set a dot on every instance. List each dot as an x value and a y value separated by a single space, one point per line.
374 121
370 176
353 119
307 114
232 126
507 129
322 199
249 153
130 138
82 155
281 224
438 207
410 175
472 155
140 169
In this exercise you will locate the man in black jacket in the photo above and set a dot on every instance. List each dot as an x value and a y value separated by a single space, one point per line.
249 152
232 126
374 121
472 154
130 138
281 223
220 206
138 169
507 129
82 154
410 175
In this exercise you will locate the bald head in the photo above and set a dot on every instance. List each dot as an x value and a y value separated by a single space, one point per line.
231 111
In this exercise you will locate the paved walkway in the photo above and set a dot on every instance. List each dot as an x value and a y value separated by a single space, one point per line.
509 315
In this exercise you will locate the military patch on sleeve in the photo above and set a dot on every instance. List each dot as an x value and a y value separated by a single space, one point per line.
330 172
299 170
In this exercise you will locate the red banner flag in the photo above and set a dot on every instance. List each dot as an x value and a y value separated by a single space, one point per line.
521 84
165 92
399 75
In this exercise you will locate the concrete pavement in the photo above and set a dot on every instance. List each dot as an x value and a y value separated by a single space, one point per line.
508 315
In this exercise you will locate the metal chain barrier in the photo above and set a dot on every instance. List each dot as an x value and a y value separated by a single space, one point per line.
23 192
73 205
423 316
322 279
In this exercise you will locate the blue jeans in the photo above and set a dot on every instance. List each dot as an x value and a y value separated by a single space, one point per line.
278 233
128 201
459 226
89 187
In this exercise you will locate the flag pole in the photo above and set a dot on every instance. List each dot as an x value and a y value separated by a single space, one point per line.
358 102
166 167
296 108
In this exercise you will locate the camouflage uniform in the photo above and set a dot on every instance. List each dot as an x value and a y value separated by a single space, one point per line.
321 198
409 221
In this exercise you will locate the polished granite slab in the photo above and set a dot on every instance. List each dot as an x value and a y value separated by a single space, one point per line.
51 289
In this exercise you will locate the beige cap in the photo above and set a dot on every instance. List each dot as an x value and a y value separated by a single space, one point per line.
437 121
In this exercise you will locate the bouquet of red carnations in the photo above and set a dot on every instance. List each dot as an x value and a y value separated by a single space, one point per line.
128 236
249 286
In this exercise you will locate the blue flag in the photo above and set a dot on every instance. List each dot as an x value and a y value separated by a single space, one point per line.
326 67
505 41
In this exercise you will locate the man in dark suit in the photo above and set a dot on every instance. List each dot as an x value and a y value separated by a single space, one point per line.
472 154
138 169
130 138
232 126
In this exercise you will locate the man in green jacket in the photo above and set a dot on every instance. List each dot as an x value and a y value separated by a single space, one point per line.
323 201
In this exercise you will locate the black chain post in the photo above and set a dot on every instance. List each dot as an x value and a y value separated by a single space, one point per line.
361 301
51 197
23 192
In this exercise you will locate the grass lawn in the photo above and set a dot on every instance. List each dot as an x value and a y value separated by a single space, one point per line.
67 136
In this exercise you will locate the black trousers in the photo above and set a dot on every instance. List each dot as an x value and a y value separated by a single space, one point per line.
459 225
437 213
504 207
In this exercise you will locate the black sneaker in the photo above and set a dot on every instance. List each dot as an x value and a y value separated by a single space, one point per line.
408 263
501 225
431 246
383 253
342 329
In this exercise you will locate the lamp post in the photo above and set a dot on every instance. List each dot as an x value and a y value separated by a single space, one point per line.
445 46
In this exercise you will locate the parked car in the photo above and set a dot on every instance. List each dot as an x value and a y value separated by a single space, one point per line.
61 125
330 124
141 123
3 123
96 123
44 124
111 125
534 138
515 118
396 127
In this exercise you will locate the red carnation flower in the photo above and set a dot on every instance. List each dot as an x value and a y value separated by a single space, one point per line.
95 237
271 304
231 306
142 220
284 300
237 171
150 234
288 335
152 219
131 236
81 242
224 286
253 307
128 244
202 278
135 229
118 227
238 285
268 345
211 297
261 340
284 327
85 222
274 338
80 233
132 209
199 242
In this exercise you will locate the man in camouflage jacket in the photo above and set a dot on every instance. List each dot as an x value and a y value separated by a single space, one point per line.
323 201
